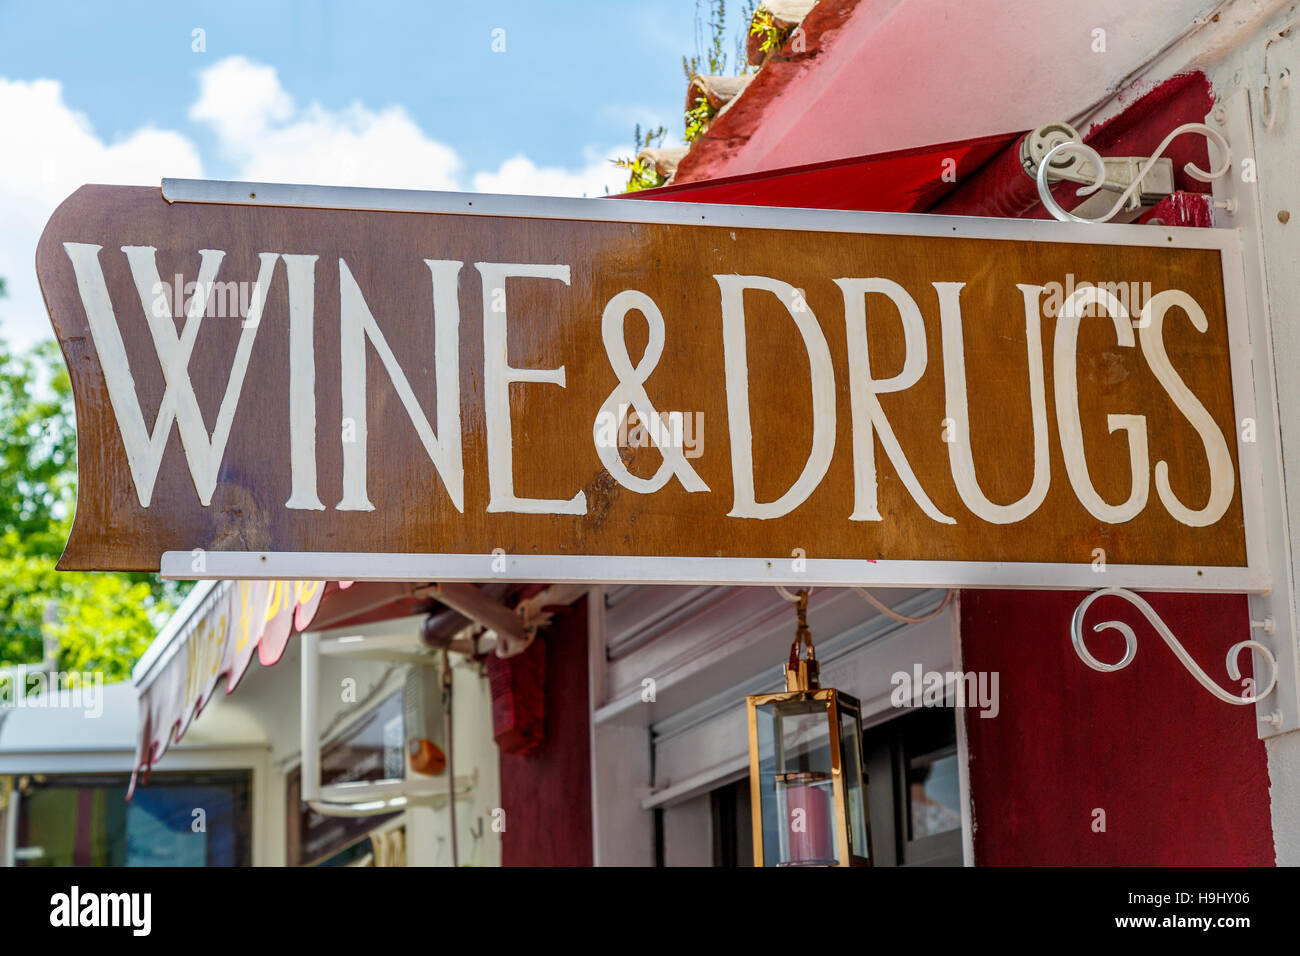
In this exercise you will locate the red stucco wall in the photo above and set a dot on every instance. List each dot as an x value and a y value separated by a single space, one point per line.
546 794
1181 776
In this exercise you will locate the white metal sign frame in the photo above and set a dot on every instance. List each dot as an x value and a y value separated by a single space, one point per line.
1272 610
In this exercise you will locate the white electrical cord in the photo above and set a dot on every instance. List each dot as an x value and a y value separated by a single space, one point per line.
1126 81
878 604
793 599
903 618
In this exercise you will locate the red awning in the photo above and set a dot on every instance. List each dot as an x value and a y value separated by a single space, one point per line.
977 177
906 180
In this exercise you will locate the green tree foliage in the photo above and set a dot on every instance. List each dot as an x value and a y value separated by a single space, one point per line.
102 621
37 448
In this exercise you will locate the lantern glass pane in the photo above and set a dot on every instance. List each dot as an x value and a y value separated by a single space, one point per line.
798 798
765 724
855 793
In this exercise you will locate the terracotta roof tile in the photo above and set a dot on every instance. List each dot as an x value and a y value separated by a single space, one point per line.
743 112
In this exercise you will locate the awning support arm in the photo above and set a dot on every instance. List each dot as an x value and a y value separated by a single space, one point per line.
1126 175
515 627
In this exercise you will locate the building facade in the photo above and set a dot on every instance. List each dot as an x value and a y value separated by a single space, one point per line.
605 723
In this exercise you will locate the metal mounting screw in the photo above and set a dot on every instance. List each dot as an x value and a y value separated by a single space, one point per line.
1268 625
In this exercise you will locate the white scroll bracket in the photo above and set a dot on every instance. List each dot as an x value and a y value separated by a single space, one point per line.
1253 689
1139 181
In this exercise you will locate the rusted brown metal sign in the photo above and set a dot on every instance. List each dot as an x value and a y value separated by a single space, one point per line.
335 383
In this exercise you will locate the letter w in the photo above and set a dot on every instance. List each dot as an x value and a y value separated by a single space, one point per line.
144 449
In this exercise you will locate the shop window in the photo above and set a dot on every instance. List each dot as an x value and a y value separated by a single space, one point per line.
733 827
177 819
912 790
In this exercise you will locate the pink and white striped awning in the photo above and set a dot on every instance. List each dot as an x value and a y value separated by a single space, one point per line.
212 638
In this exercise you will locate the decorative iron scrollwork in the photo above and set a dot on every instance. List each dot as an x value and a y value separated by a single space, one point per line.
1130 650
1099 168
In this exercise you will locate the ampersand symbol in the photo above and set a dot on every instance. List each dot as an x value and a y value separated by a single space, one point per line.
631 391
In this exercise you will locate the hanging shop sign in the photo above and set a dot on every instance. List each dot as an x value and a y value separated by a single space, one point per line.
306 382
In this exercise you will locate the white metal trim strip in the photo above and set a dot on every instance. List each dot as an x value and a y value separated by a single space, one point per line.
604 569
358 198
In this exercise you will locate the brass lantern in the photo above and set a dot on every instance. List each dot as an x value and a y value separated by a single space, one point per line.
807 791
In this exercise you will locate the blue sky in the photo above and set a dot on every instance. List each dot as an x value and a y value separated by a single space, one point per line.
379 93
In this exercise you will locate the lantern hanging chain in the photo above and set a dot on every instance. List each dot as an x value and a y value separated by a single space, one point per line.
451 756
802 634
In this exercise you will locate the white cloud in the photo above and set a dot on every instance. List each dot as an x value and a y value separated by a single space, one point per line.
269 139
519 175
240 99
50 149
261 134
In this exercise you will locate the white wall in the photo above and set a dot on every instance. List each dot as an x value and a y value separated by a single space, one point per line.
1231 52
1284 794
971 68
